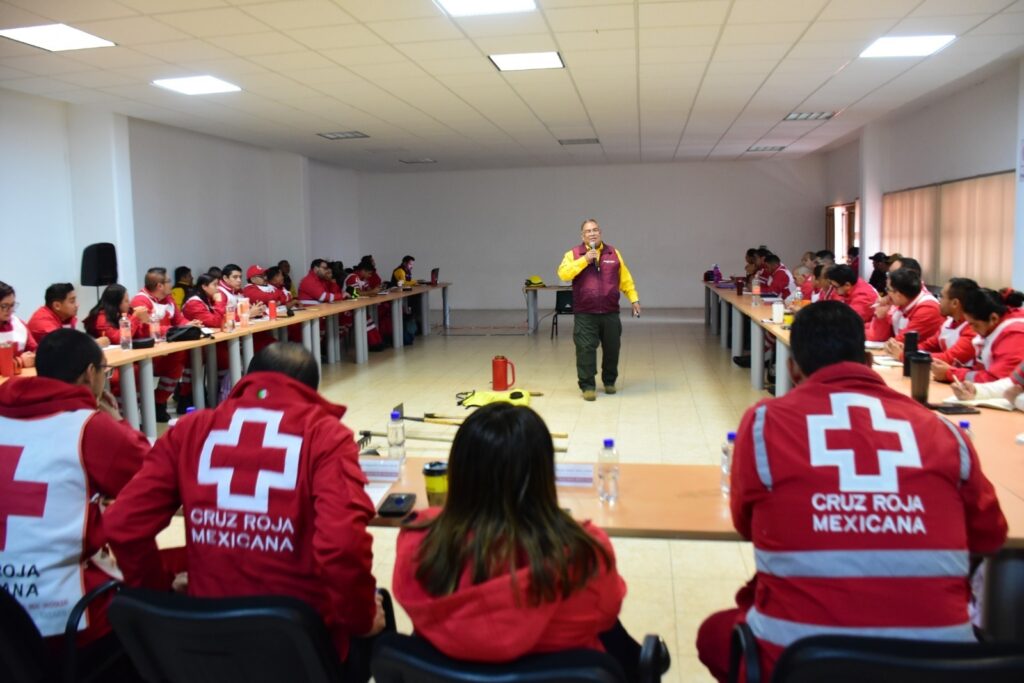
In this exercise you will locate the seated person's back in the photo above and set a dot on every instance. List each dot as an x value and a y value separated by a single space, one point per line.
272 494
477 595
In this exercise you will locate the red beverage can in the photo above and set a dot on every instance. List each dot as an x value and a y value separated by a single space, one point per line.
272 310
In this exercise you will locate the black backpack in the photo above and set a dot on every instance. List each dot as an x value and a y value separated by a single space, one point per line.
181 333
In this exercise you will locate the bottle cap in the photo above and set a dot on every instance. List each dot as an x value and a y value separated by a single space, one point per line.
731 436
964 424
609 443
190 409
395 415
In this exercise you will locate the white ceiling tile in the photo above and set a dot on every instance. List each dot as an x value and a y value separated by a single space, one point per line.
316 78
679 35
299 14
16 17
288 61
184 51
148 73
765 11
1015 7
72 11
676 55
380 72
132 31
500 45
160 6
87 96
761 68
114 57
439 49
1001 24
694 13
832 50
266 43
504 25
955 25
376 10
600 18
45 64
732 53
451 67
228 69
596 40
944 8
600 58
334 37
37 85
865 30
415 30
753 34
225 21
868 9
370 54
7 73
274 86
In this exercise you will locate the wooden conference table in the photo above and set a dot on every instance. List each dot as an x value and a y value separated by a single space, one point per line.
240 348
532 317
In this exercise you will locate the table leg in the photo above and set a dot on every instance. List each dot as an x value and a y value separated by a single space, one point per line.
332 337
531 311
359 331
234 362
707 307
425 313
336 336
724 318
247 352
737 331
715 317
446 311
148 399
314 335
212 376
783 383
756 355
397 324
307 335
196 361
128 395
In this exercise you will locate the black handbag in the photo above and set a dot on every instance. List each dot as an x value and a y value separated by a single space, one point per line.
181 333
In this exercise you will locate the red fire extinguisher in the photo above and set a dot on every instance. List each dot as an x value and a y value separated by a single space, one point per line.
499 373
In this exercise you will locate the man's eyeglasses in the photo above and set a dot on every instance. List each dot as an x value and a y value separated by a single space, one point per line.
9 307
106 370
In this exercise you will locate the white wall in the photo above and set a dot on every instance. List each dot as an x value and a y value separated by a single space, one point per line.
36 224
842 168
489 230
334 214
971 132
202 201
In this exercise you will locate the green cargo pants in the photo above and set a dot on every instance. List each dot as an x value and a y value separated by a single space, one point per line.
589 330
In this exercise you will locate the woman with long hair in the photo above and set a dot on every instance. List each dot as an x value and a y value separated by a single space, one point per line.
999 323
502 571
104 320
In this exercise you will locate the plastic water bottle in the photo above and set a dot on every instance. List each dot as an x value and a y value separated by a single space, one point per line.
396 436
727 448
717 274
125 329
229 318
608 473
965 427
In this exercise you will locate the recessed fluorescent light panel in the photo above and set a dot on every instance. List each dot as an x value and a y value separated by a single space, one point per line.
424 160
196 85
767 148
344 135
809 116
524 61
55 37
580 141
907 46
475 8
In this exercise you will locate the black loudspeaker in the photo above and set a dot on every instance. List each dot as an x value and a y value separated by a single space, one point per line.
99 265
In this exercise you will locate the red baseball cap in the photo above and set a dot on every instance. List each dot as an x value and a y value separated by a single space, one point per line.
255 271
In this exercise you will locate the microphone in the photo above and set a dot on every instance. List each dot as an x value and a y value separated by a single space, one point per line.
597 261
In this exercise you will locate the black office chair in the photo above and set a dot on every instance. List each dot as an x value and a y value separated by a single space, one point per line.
408 659
178 639
1003 610
563 306
846 659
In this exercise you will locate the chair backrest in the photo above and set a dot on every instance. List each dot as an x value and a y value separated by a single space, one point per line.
563 301
23 656
178 639
408 659
1003 608
845 659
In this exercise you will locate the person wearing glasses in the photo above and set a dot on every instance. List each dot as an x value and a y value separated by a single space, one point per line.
64 450
13 331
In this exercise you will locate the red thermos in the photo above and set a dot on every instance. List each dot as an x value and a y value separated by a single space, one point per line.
499 373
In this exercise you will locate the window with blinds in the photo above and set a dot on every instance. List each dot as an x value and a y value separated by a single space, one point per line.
962 228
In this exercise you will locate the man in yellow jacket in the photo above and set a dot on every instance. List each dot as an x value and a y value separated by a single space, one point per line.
598 274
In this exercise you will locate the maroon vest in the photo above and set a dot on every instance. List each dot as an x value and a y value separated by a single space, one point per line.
594 292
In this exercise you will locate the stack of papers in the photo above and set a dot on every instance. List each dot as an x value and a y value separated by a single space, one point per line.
997 403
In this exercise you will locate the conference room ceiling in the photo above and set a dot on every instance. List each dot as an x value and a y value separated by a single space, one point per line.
652 81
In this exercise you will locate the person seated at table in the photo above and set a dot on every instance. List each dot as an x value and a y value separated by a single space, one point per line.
104 320
1011 388
402 275
918 311
69 451
214 272
880 268
999 323
13 331
275 278
825 257
762 276
59 310
953 344
318 286
164 314
863 506
357 283
182 284
296 479
823 289
488 578
286 272
230 287
260 291
804 275
206 306
750 265
780 280
853 258
853 291
374 279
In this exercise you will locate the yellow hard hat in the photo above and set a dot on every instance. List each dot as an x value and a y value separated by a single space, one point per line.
534 281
